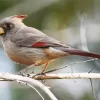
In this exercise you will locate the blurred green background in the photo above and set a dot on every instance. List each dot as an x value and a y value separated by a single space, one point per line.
65 20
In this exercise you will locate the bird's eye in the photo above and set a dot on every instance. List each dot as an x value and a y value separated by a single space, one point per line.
8 26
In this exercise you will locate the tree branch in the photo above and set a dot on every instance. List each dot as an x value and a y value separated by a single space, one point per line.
67 76
34 80
27 80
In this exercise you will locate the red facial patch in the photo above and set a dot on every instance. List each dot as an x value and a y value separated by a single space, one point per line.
40 44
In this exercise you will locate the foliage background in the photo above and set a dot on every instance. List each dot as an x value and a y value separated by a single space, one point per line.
61 20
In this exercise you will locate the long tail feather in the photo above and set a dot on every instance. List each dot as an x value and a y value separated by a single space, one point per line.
82 53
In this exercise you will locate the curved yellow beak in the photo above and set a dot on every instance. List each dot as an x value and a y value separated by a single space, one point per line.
1 31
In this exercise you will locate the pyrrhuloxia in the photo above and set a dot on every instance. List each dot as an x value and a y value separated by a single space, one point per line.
27 45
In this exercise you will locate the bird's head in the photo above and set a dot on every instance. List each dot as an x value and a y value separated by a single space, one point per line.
11 24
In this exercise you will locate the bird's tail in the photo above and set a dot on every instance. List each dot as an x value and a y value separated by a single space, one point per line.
82 53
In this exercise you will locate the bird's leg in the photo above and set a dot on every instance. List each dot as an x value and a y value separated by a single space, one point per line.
43 71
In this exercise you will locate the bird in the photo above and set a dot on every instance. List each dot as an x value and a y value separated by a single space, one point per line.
29 46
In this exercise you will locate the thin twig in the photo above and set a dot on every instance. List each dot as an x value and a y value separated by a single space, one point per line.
92 89
56 69
21 82
36 91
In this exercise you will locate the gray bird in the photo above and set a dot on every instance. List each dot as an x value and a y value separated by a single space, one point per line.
29 46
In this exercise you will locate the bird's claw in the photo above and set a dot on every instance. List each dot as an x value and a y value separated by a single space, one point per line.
23 74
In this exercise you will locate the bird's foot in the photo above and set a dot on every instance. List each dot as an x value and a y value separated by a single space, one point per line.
43 75
26 71
23 74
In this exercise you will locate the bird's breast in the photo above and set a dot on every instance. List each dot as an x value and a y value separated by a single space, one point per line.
25 55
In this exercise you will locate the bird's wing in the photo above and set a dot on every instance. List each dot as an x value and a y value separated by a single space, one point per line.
34 38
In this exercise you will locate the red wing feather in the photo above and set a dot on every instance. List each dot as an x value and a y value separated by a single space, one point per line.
40 44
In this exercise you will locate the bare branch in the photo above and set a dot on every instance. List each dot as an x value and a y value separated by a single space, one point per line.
31 82
11 77
67 76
